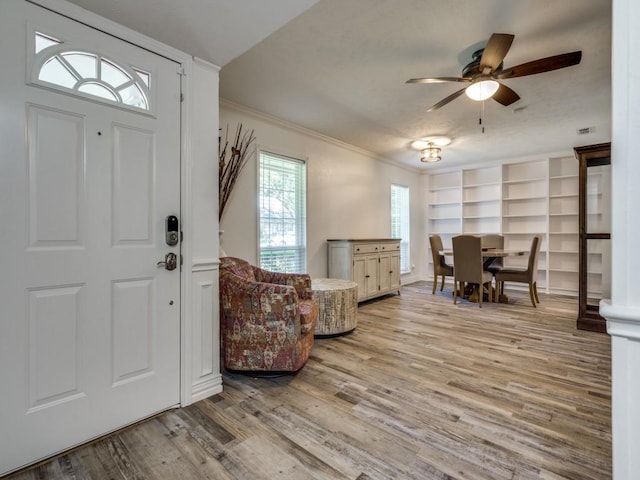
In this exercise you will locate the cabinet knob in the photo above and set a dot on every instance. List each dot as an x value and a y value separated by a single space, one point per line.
367 276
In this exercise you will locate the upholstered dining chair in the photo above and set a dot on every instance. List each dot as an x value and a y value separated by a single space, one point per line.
494 240
267 319
440 267
468 266
520 275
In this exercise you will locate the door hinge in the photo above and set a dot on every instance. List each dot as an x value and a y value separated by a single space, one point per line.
181 236
181 260
181 71
181 97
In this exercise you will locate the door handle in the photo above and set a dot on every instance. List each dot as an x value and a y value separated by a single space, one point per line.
170 261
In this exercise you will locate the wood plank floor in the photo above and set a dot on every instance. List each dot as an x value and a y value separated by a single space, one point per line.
422 389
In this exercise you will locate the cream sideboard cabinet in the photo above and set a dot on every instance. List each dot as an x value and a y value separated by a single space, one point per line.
374 264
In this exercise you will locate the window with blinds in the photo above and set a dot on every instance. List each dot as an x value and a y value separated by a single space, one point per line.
400 223
283 213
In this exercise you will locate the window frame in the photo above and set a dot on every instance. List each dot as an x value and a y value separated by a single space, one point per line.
36 60
405 243
303 199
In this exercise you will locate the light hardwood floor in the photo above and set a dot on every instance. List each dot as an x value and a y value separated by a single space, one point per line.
422 389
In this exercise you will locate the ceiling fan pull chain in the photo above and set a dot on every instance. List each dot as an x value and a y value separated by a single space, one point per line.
481 114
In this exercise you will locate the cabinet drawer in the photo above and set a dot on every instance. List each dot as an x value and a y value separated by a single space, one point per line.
361 248
390 247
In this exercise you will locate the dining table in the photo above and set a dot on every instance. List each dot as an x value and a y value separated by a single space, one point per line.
489 254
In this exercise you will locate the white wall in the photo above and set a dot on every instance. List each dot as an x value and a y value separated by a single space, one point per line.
348 193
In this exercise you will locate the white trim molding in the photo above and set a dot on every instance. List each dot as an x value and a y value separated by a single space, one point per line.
623 324
623 310
205 379
204 264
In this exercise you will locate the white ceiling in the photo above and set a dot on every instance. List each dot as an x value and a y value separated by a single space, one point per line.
339 68
214 30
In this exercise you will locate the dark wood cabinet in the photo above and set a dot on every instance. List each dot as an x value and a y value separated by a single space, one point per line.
594 232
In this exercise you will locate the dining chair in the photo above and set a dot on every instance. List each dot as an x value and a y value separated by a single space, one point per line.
468 266
494 240
520 275
440 267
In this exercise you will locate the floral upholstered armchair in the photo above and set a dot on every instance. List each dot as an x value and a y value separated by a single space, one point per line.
267 318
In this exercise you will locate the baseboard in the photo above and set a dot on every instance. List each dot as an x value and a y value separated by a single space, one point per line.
205 388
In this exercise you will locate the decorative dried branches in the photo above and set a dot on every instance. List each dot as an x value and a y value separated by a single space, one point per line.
231 160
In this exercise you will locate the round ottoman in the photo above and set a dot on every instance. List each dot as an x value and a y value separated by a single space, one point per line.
338 304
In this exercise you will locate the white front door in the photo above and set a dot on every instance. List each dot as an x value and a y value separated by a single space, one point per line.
89 171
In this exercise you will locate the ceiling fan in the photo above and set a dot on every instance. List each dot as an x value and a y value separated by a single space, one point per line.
485 69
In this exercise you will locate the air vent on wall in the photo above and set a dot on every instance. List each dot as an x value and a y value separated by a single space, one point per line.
585 130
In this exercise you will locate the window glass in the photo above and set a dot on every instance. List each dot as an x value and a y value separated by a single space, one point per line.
54 71
400 223
282 203
112 75
43 41
144 76
132 95
83 63
97 90
91 74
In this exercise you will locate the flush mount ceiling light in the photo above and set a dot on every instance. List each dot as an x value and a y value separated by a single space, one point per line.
430 147
482 90
438 141
430 154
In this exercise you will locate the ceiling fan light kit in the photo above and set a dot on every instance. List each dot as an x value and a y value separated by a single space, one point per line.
482 90
486 68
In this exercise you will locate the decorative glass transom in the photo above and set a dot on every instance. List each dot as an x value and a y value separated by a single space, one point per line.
90 74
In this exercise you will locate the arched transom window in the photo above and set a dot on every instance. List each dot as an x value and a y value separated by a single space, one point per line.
90 74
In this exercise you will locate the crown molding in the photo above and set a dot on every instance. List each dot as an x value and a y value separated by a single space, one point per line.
224 103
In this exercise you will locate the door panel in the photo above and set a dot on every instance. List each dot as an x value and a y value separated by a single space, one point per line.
395 270
132 326
373 281
56 177
91 326
53 326
359 275
133 165
385 272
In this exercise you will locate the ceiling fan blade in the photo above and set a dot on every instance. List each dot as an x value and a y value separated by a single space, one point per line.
438 80
505 95
495 51
541 65
444 101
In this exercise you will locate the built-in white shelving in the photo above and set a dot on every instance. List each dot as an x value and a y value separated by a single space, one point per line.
481 194
520 200
563 225
445 206
525 208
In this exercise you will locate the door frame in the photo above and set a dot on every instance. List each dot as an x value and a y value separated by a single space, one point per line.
186 61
